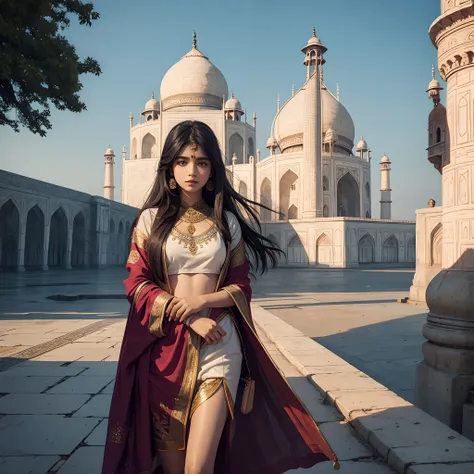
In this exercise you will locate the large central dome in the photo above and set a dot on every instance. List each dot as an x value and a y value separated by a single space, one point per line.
193 82
290 121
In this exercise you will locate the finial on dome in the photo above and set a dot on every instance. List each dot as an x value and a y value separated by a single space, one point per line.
432 71
314 32
278 102
293 89
338 93
232 95
194 40
152 95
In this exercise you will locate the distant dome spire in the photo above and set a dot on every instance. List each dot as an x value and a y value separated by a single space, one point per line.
314 32
194 40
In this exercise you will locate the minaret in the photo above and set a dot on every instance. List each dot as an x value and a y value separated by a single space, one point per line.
109 174
312 136
385 191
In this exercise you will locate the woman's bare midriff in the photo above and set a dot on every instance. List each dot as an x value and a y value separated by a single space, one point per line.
193 284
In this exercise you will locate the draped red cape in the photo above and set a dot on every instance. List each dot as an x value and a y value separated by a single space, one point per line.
156 377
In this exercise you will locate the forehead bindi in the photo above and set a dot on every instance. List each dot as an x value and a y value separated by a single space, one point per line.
194 152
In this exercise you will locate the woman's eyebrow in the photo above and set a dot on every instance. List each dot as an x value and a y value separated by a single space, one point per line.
190 157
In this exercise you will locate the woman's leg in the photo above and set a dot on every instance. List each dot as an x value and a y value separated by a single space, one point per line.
172 462
205 433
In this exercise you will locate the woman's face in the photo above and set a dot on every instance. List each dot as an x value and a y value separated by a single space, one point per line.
192 169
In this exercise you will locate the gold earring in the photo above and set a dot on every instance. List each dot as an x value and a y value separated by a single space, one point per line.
173 183
210 185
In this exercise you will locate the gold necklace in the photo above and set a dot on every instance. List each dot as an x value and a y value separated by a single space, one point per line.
196 213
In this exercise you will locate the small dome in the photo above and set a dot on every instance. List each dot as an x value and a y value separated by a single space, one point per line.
152 104
109 151
193 82
271 143
385 159
233 104
314 40
434 84
362 145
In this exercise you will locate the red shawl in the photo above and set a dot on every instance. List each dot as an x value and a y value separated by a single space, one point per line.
156 377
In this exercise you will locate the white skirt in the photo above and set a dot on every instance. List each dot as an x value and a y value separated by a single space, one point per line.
220 363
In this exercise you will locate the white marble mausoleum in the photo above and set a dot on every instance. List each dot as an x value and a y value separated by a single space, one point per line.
320 188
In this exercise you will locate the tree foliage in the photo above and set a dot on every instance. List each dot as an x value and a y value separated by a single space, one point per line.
38 65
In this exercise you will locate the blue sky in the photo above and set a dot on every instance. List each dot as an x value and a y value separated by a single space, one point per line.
379 52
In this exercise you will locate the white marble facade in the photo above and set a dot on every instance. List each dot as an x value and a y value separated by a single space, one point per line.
301 178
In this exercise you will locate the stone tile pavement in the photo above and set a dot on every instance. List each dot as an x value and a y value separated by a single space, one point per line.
354 314
54 405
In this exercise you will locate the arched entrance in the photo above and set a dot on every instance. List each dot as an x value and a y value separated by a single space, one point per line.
236 146
324 250
348 202
366 249
296 251
148 146
78 255
293 212
34 238
390 250
243 189
287 185
9 234
266 199
57 250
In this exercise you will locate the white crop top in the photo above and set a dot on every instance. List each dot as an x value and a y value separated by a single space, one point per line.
181 257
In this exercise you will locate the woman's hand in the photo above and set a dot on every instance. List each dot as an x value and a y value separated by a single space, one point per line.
180 308
208 329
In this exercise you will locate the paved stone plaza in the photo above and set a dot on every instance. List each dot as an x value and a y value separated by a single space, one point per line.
355 314
57 368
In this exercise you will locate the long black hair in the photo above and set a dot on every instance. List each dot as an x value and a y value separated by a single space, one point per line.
222 198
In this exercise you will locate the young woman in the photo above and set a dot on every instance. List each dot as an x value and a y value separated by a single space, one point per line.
196 392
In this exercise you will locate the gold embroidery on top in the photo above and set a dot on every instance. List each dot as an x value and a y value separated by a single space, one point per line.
192 242
139 290
133 257
237 256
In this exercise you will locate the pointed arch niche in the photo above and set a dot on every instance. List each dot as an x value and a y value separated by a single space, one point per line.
34 239
324 250
366 249
348 202
148 146
296 252
287 182
57 251
9 234
236 145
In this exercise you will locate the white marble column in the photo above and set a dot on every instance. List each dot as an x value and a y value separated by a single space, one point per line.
309 150
445 377
21 244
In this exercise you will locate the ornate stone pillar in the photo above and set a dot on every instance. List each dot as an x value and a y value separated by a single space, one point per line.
69 247
445 377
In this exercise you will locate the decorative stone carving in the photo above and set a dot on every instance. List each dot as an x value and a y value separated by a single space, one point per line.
291 141
205 100
463 187
341 171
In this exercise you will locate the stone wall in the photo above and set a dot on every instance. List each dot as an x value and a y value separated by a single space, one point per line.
43 225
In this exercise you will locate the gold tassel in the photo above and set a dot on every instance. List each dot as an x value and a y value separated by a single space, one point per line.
336 465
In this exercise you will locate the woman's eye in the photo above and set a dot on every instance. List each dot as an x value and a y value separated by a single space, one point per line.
203 164
182 163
